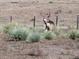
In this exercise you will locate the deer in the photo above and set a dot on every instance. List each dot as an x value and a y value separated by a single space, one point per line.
48 23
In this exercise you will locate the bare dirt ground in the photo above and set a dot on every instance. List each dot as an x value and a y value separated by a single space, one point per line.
61 48
23 11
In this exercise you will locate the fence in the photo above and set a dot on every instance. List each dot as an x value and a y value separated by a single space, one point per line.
59 21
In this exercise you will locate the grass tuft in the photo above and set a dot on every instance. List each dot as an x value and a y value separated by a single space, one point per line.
33 37
49 35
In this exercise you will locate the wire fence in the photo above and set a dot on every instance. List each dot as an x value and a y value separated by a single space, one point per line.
58 20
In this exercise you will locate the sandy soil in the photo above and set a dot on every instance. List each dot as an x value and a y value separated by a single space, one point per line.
23 11
61 48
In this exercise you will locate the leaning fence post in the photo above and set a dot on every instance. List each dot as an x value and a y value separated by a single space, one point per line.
56 20
10 19
77 21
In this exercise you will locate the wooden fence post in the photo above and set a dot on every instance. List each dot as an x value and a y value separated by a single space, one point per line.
34 20
77 21
10 19
56 20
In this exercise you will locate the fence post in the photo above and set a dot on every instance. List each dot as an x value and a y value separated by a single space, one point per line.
77 21
10 19
34 22
56 20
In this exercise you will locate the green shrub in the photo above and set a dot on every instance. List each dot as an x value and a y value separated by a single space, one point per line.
57 31
72 35
9 27
77 34
39 30
1 28
16 32
49 35
33 37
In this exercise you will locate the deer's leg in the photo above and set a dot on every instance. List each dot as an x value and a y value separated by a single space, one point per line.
47 28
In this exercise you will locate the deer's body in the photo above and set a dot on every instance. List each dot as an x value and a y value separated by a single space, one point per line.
48 24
